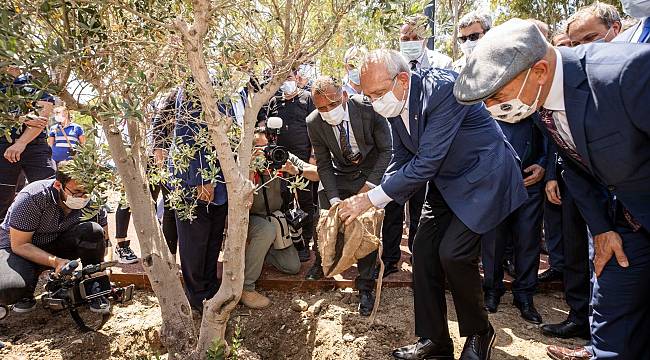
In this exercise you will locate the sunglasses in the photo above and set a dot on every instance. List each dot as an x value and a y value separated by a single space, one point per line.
470 37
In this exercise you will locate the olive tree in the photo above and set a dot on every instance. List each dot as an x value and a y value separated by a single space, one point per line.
110 58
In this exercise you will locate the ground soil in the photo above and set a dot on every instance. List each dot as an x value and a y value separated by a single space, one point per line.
335 331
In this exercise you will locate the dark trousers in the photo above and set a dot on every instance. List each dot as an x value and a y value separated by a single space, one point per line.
553 235
19 276
445 247
522 227
199 243
366 266
306 202
36 162
575 246
394 224
123 218
621 312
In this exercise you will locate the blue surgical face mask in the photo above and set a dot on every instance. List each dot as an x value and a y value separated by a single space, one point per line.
602 39
354 76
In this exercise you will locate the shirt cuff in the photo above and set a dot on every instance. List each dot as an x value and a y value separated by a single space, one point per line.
370 185
334 200
378 197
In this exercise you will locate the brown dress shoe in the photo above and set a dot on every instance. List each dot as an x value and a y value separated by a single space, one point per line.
562 353
254 300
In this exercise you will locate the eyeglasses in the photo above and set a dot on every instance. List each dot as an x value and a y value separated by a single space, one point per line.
470 37
75 194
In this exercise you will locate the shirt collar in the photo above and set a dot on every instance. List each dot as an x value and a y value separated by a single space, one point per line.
423 60
555 99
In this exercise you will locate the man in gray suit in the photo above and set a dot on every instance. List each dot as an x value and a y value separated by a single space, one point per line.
353 146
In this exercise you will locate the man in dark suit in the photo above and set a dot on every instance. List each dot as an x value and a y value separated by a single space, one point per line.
474 182
352 144
595 108
522 227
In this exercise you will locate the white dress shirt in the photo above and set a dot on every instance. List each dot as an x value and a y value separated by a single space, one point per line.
432 58
377 195
555 103
348 128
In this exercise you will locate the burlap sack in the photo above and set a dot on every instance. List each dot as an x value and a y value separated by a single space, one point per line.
342 246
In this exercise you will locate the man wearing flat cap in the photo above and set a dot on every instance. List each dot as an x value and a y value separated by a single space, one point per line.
593 101
473 182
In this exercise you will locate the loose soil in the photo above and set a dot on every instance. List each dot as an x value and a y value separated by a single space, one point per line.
329 328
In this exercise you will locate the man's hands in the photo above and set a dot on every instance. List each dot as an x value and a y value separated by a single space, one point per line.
205 192
537 173
12 154
159 156
553 192
290 168
35 121
606 245
59 263
352 207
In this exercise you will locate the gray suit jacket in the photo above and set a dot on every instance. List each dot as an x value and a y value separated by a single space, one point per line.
340 177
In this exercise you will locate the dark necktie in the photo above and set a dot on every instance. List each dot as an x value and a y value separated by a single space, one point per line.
549 123
645 33
346 148
414 64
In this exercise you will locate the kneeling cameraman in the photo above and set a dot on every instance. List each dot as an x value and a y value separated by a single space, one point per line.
262 230
43 228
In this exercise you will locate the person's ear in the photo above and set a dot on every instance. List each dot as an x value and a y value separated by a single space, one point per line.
403 78
57 185
616 27
541 70
344 97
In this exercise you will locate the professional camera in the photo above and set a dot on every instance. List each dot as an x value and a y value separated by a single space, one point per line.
296 218
275 155
72 288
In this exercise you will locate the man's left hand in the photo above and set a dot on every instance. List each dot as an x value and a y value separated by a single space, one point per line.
536 176
12 154
290 168
352 207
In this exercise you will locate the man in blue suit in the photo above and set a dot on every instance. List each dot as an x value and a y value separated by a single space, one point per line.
473 182
594 101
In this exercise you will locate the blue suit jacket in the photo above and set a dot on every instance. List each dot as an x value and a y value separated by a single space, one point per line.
528 142
460 149
606 95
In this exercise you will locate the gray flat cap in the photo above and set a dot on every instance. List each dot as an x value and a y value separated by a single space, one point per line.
500 55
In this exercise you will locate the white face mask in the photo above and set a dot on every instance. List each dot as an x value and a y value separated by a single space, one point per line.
411 49
388 105
289 87
354 76
636 8
60 118
468 46
513 111
335 116
76 203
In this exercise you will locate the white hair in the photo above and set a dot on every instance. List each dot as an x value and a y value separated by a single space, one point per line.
476 16
395 62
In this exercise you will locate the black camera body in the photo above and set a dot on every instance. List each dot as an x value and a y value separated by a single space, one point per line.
276 155
296 217
71 288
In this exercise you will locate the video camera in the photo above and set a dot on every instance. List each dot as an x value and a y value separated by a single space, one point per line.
72 288
276 155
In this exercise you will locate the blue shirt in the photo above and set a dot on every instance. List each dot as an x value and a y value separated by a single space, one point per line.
186 127
36 209
61 147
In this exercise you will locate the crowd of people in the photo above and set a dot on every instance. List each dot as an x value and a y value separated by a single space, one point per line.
531 142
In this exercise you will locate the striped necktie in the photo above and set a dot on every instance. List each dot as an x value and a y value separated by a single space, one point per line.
645 33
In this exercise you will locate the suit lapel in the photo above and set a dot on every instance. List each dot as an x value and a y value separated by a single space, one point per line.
356 122
330 138
575 100
415 108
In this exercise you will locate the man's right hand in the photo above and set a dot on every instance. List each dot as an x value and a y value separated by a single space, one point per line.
59 263
205 192
35 121
553 192
606 245
159 156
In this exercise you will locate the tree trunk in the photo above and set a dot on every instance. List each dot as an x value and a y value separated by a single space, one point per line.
455 10
177 334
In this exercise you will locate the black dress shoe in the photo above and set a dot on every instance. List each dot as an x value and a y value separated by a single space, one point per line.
315 273
366 302
479 347
389 268
426 349
492 301
550 275
528 311
567 329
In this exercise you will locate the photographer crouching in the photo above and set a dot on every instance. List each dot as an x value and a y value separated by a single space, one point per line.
270 231
44 229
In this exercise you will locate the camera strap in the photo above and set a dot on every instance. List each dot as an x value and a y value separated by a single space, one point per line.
266 198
